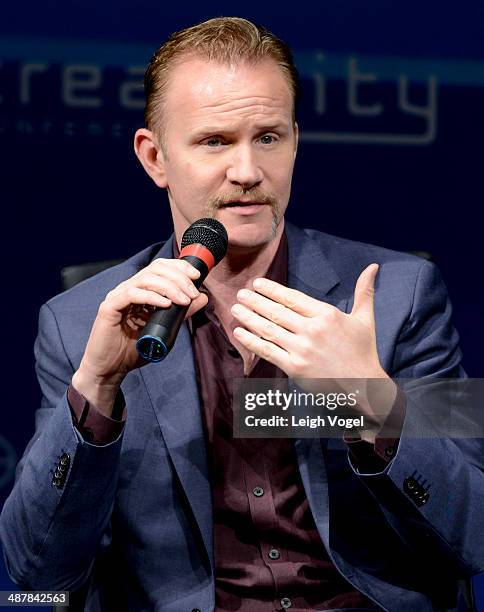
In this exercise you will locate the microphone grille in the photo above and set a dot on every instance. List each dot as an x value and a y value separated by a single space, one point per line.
211 234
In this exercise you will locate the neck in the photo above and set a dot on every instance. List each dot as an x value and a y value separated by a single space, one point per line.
240 267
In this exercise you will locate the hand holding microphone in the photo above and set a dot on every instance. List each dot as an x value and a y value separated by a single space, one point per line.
204 244
165 286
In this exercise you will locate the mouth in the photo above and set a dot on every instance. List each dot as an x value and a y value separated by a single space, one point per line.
241 203
243 208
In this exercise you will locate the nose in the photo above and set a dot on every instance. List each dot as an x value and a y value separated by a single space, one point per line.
244 169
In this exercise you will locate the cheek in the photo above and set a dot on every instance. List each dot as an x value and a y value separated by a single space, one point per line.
204 173
188 179
280 170
283 178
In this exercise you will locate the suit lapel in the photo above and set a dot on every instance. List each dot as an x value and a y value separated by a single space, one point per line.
309 269
173 392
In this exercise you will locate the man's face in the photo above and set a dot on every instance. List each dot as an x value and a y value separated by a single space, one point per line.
229 136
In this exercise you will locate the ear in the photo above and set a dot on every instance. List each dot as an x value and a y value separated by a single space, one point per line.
296 134
149 152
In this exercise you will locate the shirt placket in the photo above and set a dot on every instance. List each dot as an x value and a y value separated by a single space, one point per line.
264 518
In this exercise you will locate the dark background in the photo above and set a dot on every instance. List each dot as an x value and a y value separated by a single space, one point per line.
376 170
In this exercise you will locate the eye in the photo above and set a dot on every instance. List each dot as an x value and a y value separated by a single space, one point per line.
213 142
268 139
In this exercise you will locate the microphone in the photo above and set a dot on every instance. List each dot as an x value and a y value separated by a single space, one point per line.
204 245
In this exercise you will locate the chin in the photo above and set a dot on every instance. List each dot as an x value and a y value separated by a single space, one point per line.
248 237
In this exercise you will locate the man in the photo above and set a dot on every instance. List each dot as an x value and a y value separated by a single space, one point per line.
134 484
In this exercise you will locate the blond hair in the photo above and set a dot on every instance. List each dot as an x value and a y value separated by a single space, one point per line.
229 40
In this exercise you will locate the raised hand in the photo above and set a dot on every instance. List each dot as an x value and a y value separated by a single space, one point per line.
310 339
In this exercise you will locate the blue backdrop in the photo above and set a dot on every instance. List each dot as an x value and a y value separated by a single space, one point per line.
391 149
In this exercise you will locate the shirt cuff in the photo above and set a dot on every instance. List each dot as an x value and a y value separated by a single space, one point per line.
372 458
95 427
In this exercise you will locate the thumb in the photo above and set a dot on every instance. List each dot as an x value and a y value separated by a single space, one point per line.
365 293
199 302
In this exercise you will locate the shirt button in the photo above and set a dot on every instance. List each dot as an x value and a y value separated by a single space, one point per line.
87 434
274 554
258 491
389 451
286 603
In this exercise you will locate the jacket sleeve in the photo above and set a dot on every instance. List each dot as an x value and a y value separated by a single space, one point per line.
54 520
432 492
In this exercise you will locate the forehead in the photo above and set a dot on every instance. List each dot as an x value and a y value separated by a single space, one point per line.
200 90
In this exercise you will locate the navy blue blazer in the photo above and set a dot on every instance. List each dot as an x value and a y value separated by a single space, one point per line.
134 517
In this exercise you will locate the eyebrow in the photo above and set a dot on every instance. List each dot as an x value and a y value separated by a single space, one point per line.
263 127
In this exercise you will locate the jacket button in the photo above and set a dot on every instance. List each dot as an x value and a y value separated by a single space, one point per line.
422 499
410 485
286 603
258 491
274 554
196 610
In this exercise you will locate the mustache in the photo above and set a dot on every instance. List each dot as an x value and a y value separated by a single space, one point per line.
254 196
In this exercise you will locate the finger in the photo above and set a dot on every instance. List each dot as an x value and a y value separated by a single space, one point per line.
178 292
197 304
135 321
268 351
178 264
263 327
176 274
363 305
275 312
290 298
134 295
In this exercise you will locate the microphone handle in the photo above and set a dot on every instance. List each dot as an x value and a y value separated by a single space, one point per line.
159 334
